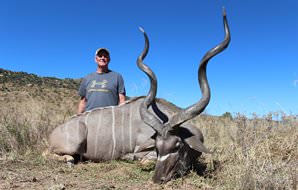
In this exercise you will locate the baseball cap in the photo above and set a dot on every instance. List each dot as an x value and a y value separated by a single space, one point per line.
99 50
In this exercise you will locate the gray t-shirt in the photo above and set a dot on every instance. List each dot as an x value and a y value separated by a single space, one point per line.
102 89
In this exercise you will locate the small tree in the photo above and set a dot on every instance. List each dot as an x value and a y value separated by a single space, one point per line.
227 115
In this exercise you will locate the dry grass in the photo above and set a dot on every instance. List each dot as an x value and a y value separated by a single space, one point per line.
257 153
27 117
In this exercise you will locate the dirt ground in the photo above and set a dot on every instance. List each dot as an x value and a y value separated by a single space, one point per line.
42 174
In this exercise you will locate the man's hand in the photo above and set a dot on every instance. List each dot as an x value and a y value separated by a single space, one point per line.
82 105
121 99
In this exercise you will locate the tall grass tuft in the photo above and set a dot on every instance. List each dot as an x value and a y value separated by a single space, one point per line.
257 153
26 125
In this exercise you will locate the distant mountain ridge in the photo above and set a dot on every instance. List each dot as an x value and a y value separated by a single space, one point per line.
28 79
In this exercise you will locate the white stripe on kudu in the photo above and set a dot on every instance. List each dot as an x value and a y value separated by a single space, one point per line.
122 129
113 131
96 147
86 118
163 158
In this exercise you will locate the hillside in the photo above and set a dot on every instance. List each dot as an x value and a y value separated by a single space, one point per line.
18 79
21 89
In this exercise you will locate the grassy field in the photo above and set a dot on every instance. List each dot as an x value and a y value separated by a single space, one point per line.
256 153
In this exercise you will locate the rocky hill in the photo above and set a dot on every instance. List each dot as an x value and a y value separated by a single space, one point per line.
24 89
17 79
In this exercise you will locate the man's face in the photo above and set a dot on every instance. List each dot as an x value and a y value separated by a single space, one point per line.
102 59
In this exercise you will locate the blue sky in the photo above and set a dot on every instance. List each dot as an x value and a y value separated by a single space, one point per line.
258 73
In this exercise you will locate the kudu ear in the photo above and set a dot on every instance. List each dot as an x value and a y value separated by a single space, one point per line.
149 144
192 136
196 144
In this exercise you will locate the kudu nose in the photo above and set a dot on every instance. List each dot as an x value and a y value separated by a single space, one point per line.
162 180
159 180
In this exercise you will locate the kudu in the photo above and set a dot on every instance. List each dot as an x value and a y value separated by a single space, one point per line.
142 127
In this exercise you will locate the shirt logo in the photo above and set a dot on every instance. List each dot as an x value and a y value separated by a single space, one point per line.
98 86
102 84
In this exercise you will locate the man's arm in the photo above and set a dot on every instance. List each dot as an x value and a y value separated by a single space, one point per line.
82 105
121 99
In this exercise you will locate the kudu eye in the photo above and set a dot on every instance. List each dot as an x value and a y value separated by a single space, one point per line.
177 146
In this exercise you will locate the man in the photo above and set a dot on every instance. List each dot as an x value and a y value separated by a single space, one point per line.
103 87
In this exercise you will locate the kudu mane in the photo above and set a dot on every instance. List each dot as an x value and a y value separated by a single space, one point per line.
172 108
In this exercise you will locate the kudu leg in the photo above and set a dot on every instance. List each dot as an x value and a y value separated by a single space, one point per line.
67 141
62 158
